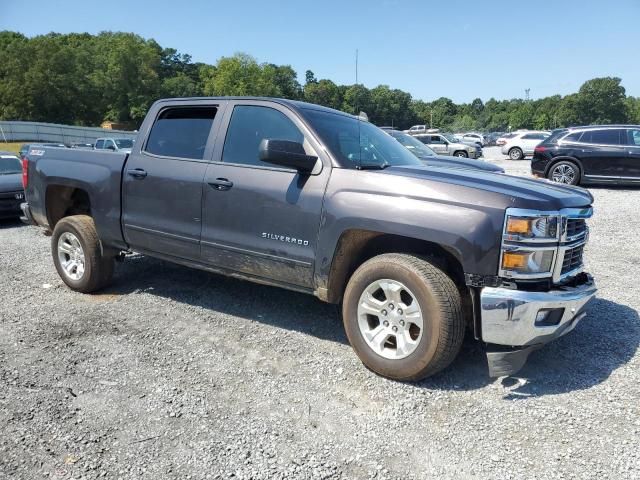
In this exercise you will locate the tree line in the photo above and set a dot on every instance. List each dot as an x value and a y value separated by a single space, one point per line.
83 79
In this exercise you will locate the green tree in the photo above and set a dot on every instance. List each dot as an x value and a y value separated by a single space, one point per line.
356 99
310 77
602 101
323 92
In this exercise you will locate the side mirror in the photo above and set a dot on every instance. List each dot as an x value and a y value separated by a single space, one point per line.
111 147
286 154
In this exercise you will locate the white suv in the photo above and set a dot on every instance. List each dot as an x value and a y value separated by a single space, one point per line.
523 143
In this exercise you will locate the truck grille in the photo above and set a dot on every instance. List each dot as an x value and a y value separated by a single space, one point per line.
572 259
576 227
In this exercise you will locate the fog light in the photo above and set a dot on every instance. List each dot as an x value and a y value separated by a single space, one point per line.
549 317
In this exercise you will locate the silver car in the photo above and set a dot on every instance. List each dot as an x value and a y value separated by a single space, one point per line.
523 143
444 144
123 145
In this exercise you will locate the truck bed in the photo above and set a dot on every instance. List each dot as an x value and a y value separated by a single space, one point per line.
56 173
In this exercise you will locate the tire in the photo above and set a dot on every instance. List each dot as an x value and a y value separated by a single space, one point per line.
516 154
75 241
461 154
433 347
565 172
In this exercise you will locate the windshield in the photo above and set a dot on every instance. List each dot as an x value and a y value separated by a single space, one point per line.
124 143
416 147
451 138
10 165
356 143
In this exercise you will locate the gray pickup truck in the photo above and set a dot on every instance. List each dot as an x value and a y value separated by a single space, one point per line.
315 200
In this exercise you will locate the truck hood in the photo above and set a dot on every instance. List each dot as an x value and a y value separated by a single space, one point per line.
519 192
11 182
444 161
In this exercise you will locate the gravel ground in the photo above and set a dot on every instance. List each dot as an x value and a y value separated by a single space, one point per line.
176 373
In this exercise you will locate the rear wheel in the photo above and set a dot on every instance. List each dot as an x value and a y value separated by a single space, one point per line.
461 154
516 154
403 316
564 172
78 254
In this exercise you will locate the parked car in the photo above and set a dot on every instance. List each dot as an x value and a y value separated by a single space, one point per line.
11 190
444 144
492 138
505 138
431 158
318 201
523 143
25 147
474 138
416 129
593 154
123 145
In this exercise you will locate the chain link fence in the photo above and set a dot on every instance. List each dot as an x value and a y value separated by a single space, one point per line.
11 131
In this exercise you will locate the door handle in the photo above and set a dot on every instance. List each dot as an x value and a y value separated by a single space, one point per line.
137 172
221 184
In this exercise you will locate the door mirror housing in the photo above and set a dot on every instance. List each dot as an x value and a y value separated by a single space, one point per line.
111 147
286 154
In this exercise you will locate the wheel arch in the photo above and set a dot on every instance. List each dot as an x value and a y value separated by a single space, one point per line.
64 200
555 160
356 246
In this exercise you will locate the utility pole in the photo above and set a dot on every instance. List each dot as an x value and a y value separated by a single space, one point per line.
430 118
356 66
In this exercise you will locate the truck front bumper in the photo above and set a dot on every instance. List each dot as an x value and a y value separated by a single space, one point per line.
523 320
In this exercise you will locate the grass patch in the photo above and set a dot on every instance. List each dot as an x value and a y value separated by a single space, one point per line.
10 146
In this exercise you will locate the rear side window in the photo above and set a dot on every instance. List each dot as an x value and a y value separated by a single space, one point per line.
534 136
609 136
572 137
248 126
100 144
181 132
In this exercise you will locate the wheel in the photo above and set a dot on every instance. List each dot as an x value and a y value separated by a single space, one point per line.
78 255
565 172
516 154
461 153
403 316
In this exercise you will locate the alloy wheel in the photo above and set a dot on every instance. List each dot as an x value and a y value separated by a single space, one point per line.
71 256
390 319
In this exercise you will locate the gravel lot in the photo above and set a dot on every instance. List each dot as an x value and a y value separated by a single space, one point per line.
176 373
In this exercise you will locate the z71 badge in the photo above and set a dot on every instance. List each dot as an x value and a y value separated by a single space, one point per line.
285 239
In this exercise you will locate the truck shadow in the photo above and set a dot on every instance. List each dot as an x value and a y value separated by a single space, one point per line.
605 340
10 223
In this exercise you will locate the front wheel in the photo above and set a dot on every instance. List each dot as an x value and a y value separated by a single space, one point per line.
516 154
78 254
565 172
403 316
461 154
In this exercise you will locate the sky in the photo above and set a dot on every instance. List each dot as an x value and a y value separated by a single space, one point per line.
461 49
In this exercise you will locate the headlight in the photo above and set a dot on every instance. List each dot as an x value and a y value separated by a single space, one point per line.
527 261
529 243
531 228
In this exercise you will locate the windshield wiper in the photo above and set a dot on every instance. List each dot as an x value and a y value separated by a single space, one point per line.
374 166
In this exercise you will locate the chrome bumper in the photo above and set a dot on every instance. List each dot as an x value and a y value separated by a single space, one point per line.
516 317
26 214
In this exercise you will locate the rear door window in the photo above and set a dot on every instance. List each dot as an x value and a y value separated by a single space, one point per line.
633 137
181 132
100 144
610 136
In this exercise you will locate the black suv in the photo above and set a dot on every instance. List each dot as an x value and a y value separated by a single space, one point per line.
594 154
